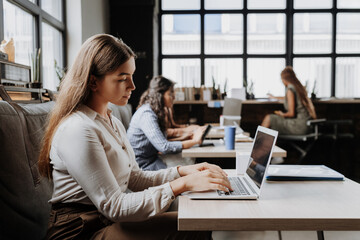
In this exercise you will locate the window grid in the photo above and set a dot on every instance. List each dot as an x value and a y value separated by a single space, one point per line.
40 16
289 55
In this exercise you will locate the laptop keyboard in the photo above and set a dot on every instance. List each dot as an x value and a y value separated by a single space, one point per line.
237 186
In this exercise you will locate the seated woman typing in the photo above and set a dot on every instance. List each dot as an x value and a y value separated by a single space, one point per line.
147 131
99 191
298 106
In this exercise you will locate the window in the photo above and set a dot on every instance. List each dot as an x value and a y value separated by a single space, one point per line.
314 74
52 46
20 26
237 41
312 32
223 33
34 26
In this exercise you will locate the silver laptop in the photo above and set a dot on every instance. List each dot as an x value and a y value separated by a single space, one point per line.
248 186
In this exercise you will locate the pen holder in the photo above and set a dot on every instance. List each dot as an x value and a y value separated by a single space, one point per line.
230 137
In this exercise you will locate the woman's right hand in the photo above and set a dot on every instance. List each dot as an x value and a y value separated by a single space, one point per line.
198 134
201 181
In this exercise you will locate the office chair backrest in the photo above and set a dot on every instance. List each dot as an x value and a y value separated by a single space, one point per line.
232 107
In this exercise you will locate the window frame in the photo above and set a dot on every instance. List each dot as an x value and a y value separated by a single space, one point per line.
40 16
289 55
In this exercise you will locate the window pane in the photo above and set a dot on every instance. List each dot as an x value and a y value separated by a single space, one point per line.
348 33
347 77
223 33
348 3
181 34
221 4
309 70
312 32
266 4
52 45
266 33
229 69
265 74
19 25
53 7
311 4
33 1
180 5
185 72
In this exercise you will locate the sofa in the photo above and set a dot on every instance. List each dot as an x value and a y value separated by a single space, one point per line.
24 194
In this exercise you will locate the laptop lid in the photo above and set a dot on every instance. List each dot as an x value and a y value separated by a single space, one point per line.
260 156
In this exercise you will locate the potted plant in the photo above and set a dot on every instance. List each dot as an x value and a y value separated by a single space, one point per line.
223 95
214 92
196 93
35 69
249 89
313 92
60 72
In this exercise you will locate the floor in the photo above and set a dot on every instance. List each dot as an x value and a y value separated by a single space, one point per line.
286 235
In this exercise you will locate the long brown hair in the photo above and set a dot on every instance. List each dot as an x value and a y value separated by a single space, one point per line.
154 96
289 75
99 55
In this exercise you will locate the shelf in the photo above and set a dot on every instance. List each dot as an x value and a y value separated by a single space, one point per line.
23 89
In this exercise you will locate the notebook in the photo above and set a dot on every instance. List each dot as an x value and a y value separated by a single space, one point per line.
302 173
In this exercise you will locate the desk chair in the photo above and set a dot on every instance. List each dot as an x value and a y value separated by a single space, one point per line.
309 138
232 111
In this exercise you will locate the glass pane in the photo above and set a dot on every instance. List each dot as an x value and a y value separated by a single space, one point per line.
180 5
223 33
347 77
53 7
222 70
312 32
33 1
266 33
221 4
185 72
181 34
348 33
348 3
311 70
52 45
20 26
265 74
266 4
311 4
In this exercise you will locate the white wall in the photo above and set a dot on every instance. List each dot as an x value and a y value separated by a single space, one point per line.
84 18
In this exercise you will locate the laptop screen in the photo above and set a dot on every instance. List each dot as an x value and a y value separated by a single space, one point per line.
260 156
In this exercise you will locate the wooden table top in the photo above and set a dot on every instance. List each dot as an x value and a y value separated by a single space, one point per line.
219 150
291 205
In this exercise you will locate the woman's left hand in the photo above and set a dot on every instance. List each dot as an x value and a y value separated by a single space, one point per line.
190 169
280 113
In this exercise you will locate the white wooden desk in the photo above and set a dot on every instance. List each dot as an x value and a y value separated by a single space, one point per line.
307 206
219 150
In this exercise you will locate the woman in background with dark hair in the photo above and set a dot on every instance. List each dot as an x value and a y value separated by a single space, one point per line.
148 129
298 106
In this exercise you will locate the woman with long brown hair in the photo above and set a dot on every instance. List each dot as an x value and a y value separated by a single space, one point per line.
297 104
98 188
149 127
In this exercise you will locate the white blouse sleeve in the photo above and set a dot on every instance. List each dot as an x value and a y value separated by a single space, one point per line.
81 148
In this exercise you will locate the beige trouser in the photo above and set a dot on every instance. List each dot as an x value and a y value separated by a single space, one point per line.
76 221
